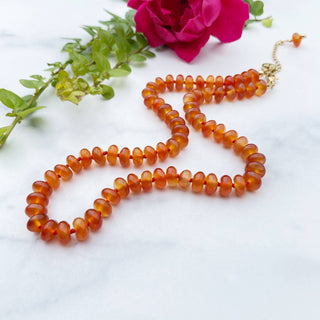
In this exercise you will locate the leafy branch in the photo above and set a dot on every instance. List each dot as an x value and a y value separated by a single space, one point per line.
256 10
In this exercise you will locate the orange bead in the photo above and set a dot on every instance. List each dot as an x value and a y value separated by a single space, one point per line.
63 171
161 84
199 82
134 183
111 195
170 82
211 184
122 186
112 155
189 83
253 181
124 157
208 94
256 167
296 39
149 100
42 187
254 75
157 104
48 230
246 78
248 150
198 182
179 82
86 158
103 206
189 105
184 179
63 232
250 90
210 82
173 147
219 82
198 121
257 157
147 92
191 113
239 144
180 128
208 128
171 115
98 156
162 151
146 180
36 222
229 81
240 90
176 121
52 179
164 110
218 94
229 138
159 176
182 139
93 218
239 185
153 86
190 97
81 229
262 88
218 132
34 209
74 164
37 197
230 92
225 186
172 177
151 155
199 95
238 79
137 157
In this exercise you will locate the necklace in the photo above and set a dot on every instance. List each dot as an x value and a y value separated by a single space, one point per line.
199 91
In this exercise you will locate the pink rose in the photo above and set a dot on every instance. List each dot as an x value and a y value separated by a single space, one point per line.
186 25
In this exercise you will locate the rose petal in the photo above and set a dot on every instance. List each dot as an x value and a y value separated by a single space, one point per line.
135 4
210 11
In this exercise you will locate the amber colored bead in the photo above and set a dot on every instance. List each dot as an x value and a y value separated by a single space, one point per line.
164 110
248 150
134 183
229 138
180 128
161 84
219 82
191 113
103 206
240 90
210 82
296 39
34 209
218 132
253 181
42 187
225 186
63 232
254 75
199 82
190 97
208 128
122 186
179 82
63 171
81 228
198 182
147 92
157 104
124 157
153 86
149 100
172 177
250 90
52 179
218 94
176 121
162 151
184 179
111 195
239 185
189 105
198 121
238 79
37 197
171 115
48 230
230 92
159 176
199 94
189 83
170 82
246 78
86 158
173 147
151 155
112 155
137 157
261 88
211 184
74 163
256 167
93 218
36 222
239 144
208 94
182 139
146 180
257 157
229 81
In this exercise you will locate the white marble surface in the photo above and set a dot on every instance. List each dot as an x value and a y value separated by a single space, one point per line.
165 255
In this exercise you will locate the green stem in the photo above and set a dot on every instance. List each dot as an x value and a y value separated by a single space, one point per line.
259 20
129 55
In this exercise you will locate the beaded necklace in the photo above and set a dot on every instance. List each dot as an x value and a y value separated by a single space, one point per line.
244 85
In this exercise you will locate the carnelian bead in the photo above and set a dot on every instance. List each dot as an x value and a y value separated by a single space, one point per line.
34 209
208 128
218 132
219 82
74 164
137 157
184 179
230 92
111 195
229 81
81 229
257 157
122 186
170 82
48 230
173 146
296 39
93 218
256 167
37 197
191 113
112 155
164 110
239 144
189 105
151 155
149 100
198 121
239 185
190 97
157 104
172 177
199 94
182 139
63 232
225 186
229 138
86 158
208 94
250 90
253 181
103 206
211 184
198 182
248 150
238 79
63 171
153 86
254 75
262 88
176 121
52 179
124 157
179 82
146 180
189 83
134 183
161 84
240 90
171 115
246 78
162 151
42 187
159 176
199 82
210 82
36 222
218 94
180 128
147 92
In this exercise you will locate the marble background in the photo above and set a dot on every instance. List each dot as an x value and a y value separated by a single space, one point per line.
170 254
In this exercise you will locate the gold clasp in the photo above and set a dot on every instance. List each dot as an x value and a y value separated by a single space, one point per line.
269 70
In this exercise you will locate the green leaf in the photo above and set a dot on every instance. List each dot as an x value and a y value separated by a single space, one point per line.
27 100
89 30
142 39
106 37
118 72
31 84
100 46
138 58
38 77
130 17
28 111
101 61
4 130
267 22
148 53
125 67
107 91
249 2
134 45
69 47
11 100
257 8
79 64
